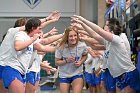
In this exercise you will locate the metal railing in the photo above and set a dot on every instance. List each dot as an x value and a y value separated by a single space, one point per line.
118 10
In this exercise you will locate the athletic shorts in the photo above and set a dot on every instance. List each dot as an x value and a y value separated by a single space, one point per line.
92 79
1 70
110 82
69 80
131 79
32 77
9 74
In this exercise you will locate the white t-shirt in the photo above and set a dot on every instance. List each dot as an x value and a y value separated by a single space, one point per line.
35 60
126 42
118 60
35 66
5 48
88 64
69 69
20 59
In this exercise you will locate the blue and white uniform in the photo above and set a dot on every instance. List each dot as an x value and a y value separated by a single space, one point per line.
88 70
17 65
69 70
119 63
5 48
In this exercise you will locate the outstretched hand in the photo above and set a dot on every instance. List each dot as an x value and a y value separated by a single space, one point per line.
54 16
77 26
53 31
78 17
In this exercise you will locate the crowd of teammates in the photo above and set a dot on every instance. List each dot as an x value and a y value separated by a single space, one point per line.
19 61
105 53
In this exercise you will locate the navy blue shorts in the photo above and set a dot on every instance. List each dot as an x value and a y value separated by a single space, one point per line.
69 80
110 82
32 77
1 70
131 79
89 79
9 74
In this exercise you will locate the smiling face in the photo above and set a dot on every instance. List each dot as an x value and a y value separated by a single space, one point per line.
72 38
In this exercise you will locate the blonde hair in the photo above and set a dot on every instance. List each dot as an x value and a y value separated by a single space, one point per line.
66 35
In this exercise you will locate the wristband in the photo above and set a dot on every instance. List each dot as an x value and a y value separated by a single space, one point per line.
65 60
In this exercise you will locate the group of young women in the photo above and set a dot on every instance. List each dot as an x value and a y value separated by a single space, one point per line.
20 61
112 68
104 52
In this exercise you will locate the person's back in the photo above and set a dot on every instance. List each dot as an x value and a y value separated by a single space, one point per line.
5 45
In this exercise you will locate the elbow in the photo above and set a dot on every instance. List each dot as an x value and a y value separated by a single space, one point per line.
17 48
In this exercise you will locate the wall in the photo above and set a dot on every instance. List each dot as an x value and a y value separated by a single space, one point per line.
89 9
101 12
86 8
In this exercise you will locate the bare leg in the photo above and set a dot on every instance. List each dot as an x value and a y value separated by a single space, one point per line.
128 90
36 87
64 88
102 87
2 89
92 89
16 87
77 85
125 90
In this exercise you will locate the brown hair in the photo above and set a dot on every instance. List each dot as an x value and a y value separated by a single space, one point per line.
66 35
20 22
115 26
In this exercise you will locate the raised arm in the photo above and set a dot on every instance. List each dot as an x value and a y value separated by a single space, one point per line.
53 17
89 40
51 39
50 33
106 35
44 48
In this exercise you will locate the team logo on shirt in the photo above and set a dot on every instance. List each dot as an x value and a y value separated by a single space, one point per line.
32 3
106 54
29 50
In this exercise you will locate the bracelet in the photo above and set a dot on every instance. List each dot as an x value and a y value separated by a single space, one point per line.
46 19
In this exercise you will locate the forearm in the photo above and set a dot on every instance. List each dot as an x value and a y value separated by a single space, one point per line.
43 20
46 23
96 47
92 25
44 48
83 58
19 45
91 40
45 66
92 33
105 34
51 39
